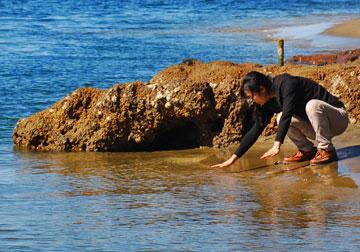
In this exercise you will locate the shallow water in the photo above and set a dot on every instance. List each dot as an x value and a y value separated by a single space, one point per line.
173 200
160 200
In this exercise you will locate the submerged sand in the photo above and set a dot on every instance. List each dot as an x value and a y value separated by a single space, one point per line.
346 144
346 29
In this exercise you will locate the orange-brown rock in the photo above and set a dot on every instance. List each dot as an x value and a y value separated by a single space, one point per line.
187 105
328 58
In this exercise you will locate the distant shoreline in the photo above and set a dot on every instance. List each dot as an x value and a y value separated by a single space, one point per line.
346 29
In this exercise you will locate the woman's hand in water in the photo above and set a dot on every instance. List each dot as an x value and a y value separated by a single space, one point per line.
228 162
273 151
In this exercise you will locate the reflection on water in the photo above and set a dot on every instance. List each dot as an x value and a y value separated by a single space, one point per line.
135 200
119 173
301 199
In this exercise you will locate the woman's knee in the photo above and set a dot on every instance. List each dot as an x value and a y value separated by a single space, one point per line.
314 106
295 121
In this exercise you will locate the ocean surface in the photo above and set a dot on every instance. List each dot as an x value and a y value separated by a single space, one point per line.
162 200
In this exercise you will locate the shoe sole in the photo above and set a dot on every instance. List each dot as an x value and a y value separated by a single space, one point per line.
324 162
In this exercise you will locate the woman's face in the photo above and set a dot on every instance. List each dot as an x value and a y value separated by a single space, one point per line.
259 98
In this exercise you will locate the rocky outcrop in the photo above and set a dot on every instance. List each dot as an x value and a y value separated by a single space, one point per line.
187 105
329 58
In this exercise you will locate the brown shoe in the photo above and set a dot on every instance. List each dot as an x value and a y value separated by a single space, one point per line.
300 156
324 156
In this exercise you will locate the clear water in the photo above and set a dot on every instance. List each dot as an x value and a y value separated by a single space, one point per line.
165 200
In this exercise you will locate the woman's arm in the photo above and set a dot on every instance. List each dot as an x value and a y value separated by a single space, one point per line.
228 162
288 94
275 149
248 140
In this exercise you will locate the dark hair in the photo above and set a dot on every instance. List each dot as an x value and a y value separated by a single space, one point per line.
253 80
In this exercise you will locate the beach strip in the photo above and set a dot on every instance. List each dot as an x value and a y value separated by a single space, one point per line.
349 28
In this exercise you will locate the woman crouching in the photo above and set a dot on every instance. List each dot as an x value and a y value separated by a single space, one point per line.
307 111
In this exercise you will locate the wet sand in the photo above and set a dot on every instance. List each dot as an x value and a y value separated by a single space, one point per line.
346 29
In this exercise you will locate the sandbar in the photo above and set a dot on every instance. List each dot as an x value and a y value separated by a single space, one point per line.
350 28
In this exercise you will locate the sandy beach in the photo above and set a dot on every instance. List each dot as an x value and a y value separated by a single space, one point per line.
346 29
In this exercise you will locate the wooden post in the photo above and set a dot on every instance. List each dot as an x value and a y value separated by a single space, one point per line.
280 51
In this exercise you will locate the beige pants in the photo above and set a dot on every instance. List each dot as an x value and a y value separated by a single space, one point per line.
325 122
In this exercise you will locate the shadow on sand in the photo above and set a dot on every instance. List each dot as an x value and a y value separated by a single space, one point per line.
348 152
